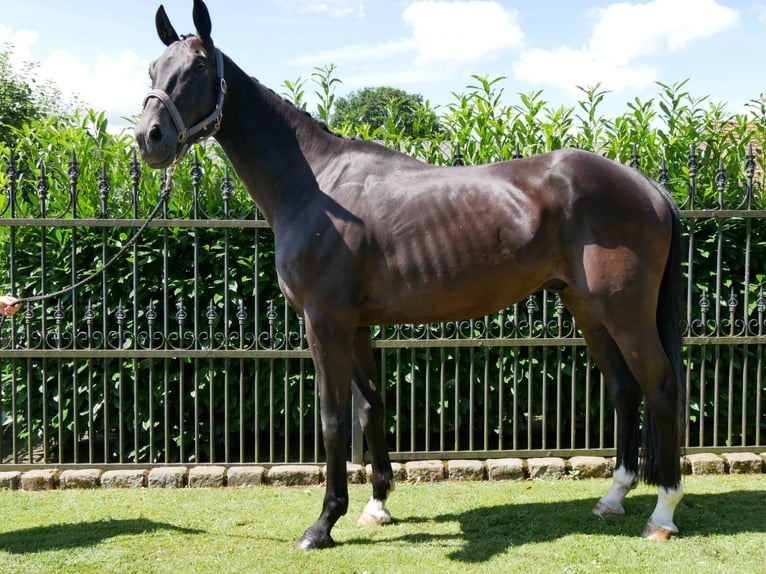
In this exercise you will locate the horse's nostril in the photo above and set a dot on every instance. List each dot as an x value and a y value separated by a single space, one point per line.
155 134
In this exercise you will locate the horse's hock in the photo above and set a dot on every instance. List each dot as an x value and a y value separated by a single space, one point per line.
415 472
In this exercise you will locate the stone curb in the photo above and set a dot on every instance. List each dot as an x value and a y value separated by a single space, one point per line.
45 479
245 476
207 476
80 479
217 476
167 477
124 479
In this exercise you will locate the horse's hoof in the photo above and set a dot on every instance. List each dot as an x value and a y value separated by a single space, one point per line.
375 519
308 542
375 514
654 531
602 510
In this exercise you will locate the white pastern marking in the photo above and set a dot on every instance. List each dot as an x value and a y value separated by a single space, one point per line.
623 481
667 500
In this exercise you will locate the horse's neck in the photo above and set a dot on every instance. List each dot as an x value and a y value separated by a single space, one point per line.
275 148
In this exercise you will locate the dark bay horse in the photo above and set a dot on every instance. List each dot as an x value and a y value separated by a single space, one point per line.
365 235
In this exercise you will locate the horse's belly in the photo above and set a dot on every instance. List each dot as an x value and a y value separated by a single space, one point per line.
429 299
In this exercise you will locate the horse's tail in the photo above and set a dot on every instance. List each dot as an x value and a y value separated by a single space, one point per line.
669 307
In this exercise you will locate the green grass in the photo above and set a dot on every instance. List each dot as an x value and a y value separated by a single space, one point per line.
449 527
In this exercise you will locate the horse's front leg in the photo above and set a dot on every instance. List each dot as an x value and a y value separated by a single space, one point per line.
331 345
371 412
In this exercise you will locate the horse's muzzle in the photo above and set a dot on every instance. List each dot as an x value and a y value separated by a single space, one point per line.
156 144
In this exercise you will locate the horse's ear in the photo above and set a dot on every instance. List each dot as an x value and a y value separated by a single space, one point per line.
165 29
202 22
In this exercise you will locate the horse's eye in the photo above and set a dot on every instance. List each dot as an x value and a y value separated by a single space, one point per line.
200 65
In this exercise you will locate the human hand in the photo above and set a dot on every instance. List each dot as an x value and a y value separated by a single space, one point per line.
9 305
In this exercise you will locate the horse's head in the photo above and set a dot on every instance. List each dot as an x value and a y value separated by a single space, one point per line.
186 100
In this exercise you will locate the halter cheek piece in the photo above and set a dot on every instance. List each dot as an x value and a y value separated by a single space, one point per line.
186 134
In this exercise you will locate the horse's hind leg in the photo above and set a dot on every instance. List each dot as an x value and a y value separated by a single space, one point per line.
370 410
626 397
632 350
662 425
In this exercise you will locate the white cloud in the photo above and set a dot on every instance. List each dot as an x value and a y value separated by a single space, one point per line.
116 83
461 32
334 8
355 53
567 68
113 82
623 34
625 31
451 35
394 77
21 40
760 13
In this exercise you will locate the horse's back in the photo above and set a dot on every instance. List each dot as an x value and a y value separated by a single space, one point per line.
450 243
419 243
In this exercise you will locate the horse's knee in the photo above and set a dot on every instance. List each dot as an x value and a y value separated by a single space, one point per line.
335 428
335 504
626 396
369 404
367 415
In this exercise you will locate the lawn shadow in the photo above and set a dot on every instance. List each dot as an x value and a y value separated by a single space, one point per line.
488 531
79 534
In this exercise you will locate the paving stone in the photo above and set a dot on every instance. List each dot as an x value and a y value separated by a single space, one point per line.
129 478
546 467
466 470
425 470
243 476
207 477
590 467
46 479
167 477
686 466
400 471
505 469
294 475
743 462
706 463
80 479
356 473
10 480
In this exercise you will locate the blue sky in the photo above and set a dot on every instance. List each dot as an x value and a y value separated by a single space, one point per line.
102 51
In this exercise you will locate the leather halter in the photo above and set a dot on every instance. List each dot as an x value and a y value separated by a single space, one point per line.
214 118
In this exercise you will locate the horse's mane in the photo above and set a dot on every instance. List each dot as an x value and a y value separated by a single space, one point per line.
319 123
299 110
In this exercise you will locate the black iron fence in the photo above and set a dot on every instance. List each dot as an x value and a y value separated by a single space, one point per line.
185 351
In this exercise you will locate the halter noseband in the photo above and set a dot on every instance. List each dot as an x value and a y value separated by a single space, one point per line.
215 117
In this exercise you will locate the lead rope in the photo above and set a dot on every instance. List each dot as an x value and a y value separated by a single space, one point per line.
164 194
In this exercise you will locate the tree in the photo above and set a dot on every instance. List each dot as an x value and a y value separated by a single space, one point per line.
23 99
386 107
